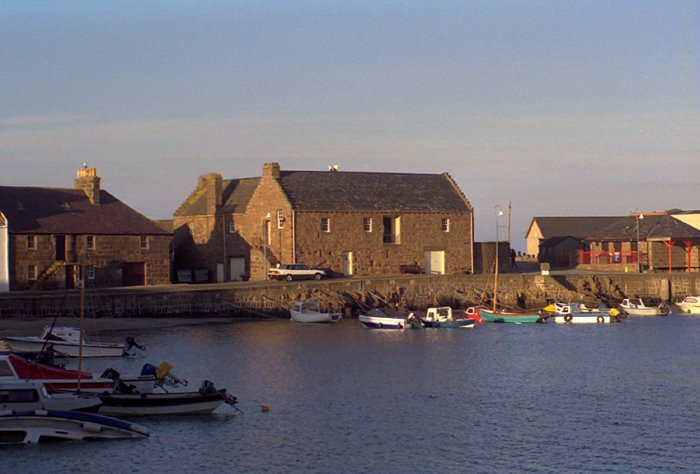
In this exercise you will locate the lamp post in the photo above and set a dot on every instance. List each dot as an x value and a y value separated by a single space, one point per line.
499 213
640 216
266 221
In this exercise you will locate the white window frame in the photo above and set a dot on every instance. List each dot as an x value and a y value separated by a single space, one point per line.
367 224
325 225
31 242
145 242
90 242
90 270
232 227
280 219
32 273
445 224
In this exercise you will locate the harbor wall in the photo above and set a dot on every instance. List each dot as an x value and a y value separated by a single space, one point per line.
271 299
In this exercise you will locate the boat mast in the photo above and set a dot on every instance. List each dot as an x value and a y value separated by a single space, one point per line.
82 317
499 213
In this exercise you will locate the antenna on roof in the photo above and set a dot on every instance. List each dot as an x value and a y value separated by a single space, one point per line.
333 168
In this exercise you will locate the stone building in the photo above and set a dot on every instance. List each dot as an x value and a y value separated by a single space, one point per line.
351 223
47 235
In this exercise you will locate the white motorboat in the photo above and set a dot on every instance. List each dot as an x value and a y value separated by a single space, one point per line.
65 342
32 395
574 313
385 318
35 426
636 307
690 305
309 311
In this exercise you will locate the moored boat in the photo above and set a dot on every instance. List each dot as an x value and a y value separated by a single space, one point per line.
35 426
574 313
384 318
443 317
309 311
690 305
488 315
636 307
32 395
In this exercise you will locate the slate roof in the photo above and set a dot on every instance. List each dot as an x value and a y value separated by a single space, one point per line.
235 195
69 211
578 227
554 241
378 192
652 227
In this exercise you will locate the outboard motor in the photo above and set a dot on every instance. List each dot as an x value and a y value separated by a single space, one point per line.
131 342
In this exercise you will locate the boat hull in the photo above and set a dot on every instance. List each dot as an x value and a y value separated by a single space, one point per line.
156 404
306 317
501 317
583 318
34 426
457 323
376 322
35 344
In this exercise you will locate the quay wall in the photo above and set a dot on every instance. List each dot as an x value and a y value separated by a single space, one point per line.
271 299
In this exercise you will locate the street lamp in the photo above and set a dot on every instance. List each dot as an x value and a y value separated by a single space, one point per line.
266 221
640 216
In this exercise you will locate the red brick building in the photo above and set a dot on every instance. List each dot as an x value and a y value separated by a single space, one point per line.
46 234
352 223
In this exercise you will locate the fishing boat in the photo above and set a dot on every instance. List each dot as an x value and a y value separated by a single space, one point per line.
55 378
573 313
442 317
35 426
309 311
66 342
385 318
636 307
491 316
690 305
32 395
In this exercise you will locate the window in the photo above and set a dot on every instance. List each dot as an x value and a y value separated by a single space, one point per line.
392 229
90 242
144 242
91 272
31 272
232 227
325 225
31 242
445 224
367 224
280 220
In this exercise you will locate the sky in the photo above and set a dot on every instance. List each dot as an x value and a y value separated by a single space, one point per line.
560 108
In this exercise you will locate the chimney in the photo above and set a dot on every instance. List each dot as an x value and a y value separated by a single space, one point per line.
212 184
272 170
87 180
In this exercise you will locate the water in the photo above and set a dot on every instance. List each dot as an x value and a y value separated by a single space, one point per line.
497 398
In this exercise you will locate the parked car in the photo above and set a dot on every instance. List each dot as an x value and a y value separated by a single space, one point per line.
295 271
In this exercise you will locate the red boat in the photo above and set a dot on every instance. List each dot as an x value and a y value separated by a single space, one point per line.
55 378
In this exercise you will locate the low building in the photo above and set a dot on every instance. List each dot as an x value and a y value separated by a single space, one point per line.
350 223
47 235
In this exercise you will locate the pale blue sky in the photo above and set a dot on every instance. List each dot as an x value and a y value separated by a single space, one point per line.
562 107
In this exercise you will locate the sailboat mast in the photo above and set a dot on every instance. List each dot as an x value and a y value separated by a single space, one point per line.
82 317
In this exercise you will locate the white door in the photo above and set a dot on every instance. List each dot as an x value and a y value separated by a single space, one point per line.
219 272
435 262
237 268
347 263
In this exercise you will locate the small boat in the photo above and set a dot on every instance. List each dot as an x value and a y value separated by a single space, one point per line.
32 395
690 305
65 342
35 426
385 318
442 317
636 307
309 311
488 315
207 399
574 313
14 367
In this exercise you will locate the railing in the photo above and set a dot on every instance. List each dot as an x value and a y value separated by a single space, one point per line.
609 257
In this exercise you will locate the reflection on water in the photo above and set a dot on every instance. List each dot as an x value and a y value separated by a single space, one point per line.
496 398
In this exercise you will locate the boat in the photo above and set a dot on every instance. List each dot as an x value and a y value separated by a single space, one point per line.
205 400
574 313
55 378
66 341
488 315
32 395
690 305
309 311
385 318
35 426
442 317
636 307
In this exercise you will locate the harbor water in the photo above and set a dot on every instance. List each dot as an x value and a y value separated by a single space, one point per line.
498 398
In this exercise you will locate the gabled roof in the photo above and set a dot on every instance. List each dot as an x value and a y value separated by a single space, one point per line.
378 192
578 227
235 195
554 241
651 227
69 211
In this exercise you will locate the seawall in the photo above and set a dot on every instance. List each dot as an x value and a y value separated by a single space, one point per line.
271 299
